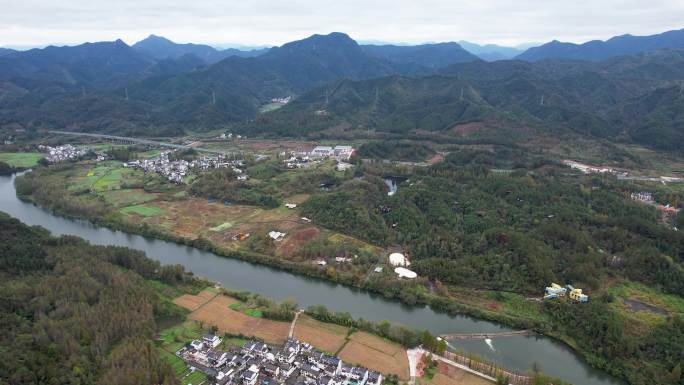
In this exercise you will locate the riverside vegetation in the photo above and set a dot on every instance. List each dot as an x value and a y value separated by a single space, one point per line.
82 314
481 242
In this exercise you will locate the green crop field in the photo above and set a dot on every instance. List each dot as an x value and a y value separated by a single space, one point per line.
195 378
145 211
21 159
125 198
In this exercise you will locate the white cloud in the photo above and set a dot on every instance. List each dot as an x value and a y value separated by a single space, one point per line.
39 22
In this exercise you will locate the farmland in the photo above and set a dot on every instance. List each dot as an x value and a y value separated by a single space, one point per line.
217 312
21 159
229 316
327 337
449 375
135 198
376 353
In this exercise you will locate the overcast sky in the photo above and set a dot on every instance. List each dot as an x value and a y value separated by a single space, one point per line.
261 22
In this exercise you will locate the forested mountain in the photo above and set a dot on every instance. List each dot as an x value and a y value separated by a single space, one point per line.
161 48
6 51
228 91
596 99
73 313
491 52
421 56
600 50
339 85
90 64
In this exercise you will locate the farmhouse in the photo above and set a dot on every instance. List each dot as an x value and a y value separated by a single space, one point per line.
322 152
276 235
211 340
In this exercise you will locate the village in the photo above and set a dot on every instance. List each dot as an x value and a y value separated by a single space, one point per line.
294 363
62 153
176 170
302 159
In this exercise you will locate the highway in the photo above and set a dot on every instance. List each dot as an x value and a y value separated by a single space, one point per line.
143 141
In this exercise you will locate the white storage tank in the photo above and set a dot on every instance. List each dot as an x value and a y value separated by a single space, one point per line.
405 273
398 259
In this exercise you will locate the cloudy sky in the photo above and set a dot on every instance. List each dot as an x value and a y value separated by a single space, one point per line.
261 22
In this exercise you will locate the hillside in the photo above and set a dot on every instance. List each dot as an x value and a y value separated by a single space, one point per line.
342 88
228 91
549 98
91 64
596 50
77 313
429 56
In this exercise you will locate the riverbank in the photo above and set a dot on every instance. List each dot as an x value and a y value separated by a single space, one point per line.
214 308
436 302
316 273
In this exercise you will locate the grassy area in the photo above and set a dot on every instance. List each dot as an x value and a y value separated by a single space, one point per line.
221 227
246 309
143 210
645 307
270 107
21 159
173 338
233 341
194 378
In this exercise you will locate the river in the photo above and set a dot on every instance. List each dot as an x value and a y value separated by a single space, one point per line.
519 352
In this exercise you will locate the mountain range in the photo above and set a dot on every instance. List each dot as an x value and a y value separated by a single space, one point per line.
162 48
157 87
491 52
600 50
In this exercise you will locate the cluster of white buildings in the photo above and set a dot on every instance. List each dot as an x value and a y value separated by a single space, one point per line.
643 197
299 159
281 100
62 153
400 263
590 169
176 170
257 363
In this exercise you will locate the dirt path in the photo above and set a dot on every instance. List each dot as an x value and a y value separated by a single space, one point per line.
412 355
294 322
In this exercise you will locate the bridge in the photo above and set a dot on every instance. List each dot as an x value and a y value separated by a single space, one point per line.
482 336
131 140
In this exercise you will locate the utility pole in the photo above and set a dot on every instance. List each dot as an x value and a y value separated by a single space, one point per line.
326 98
542 101
377 96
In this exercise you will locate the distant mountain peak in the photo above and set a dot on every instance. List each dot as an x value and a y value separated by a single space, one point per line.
597 50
